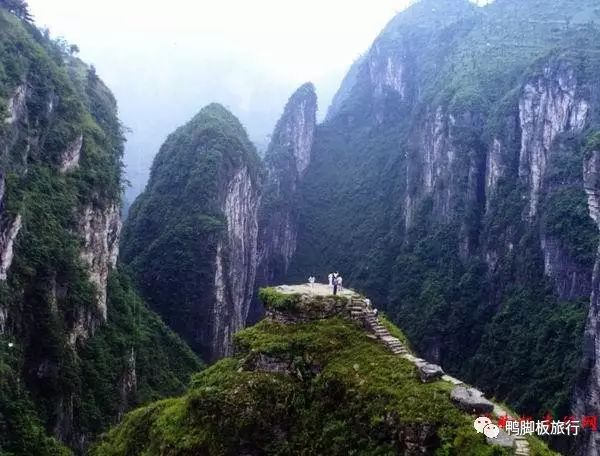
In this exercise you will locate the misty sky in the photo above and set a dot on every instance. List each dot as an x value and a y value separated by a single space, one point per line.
165 60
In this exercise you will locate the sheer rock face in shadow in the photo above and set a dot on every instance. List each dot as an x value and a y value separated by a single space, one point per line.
586 398
286 161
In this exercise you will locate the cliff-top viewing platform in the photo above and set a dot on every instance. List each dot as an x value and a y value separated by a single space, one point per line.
317 289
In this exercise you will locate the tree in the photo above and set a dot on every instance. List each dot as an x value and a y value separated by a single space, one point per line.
19 8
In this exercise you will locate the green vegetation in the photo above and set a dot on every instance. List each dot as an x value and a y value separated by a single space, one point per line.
52 383
21 431
163 363
173 229
342 393
458 266
278 301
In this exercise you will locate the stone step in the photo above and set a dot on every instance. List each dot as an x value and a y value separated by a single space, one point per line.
452 380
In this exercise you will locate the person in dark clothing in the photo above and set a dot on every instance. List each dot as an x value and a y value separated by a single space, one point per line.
335 287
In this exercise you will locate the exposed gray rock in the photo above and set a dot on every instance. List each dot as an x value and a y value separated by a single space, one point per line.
8 234
549 105
99 228
504 440
16 105
471 400
571 280
70 157
3 317
430 372
286 159
236 261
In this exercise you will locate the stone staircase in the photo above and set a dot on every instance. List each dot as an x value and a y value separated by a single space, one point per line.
361 311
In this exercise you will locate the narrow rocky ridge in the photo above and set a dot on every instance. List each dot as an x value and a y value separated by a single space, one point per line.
465 397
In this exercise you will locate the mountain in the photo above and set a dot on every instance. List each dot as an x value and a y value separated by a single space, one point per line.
78 348
310 379
286 161
454 182
191 236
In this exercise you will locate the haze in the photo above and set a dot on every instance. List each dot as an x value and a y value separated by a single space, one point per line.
164 61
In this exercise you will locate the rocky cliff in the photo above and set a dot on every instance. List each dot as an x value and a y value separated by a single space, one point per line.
69 322
286 160
191 237
452 158
586 398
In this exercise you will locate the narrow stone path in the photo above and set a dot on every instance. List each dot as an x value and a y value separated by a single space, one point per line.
361 311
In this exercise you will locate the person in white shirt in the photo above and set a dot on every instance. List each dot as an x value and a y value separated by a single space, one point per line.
330 277
339 282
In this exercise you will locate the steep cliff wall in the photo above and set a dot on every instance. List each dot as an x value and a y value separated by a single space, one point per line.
286 160
61 297
452 160
586 398
191 237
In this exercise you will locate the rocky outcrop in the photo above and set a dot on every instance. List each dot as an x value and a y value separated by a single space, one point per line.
471 400
69 159
549 105
8 234
99 229
236 261
287 158
571 280
16 105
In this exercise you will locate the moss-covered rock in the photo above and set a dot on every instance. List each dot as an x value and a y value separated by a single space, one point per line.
316 387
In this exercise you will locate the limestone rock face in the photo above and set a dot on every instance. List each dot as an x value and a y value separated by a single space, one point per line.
7 239
191 237
287 159
16 105
100 230
549 105
434 141
70 157
234 285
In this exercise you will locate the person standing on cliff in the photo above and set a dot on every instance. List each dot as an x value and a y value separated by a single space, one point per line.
330 277
339 282
335 285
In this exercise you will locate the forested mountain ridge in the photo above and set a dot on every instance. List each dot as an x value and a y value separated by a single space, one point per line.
191 236
452 160
77 346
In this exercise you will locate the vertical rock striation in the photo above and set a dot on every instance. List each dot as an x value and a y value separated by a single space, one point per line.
549 105
192 236
452 160
236 261
286 160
